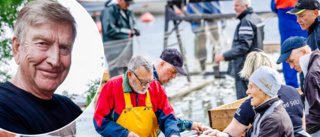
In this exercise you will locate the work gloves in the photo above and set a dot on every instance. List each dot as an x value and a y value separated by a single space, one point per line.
134 32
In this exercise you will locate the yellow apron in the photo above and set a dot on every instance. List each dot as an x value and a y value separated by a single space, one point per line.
140 120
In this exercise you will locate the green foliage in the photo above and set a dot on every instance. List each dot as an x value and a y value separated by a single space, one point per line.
93 87
8 15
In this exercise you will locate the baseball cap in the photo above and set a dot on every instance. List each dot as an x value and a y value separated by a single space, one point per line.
303 5
129 2
289 45
267 79
174 57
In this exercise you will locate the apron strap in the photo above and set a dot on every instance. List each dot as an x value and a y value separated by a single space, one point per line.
148 101
127 98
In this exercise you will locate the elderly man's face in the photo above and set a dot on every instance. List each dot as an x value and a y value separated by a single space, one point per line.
239 8
294 58
166 73
258 96
140 80
44 57
306 18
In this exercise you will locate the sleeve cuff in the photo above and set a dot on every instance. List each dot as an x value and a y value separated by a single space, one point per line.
227 55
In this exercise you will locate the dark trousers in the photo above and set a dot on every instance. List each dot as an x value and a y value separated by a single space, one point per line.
241 87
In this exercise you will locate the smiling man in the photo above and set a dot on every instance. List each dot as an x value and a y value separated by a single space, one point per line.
44 34
298 54
307 12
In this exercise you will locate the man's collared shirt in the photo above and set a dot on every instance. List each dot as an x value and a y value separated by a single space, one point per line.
304 62
126 86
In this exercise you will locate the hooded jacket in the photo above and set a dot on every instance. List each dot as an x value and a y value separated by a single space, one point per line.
116 23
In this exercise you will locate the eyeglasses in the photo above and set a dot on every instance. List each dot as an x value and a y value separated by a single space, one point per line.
142 83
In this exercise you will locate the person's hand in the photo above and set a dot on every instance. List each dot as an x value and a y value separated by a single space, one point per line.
218 58
215 133
204 128
136 32
197 126
132 134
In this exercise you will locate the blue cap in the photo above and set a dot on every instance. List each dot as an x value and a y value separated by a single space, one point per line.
289 45
174 57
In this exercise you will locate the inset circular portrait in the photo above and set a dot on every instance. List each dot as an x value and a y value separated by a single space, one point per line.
52 62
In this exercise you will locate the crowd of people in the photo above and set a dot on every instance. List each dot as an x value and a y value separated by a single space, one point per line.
273 109
133 103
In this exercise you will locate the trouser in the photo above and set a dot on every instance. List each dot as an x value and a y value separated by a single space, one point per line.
207 30
117 71
241 87
118 54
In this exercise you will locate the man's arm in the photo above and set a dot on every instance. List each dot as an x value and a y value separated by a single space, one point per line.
235 128
243 42
184 124
103 115
313 97
10 122
110 29
241 119
271 127
165 114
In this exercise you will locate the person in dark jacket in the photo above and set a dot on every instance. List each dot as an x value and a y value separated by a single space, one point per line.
298 54
118 28
271 118
248 37
307 12
290 96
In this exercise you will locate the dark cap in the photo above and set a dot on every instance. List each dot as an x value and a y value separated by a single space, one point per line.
129 2
303 5
289 45
174 57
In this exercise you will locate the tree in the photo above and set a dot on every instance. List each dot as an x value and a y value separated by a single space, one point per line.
8 14
91 92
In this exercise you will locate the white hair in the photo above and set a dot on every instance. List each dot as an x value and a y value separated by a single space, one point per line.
42 11
254 61
246 2
138 61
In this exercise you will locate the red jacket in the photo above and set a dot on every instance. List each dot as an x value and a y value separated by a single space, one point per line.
111 103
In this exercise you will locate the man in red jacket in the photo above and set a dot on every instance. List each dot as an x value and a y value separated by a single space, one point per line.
134 104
